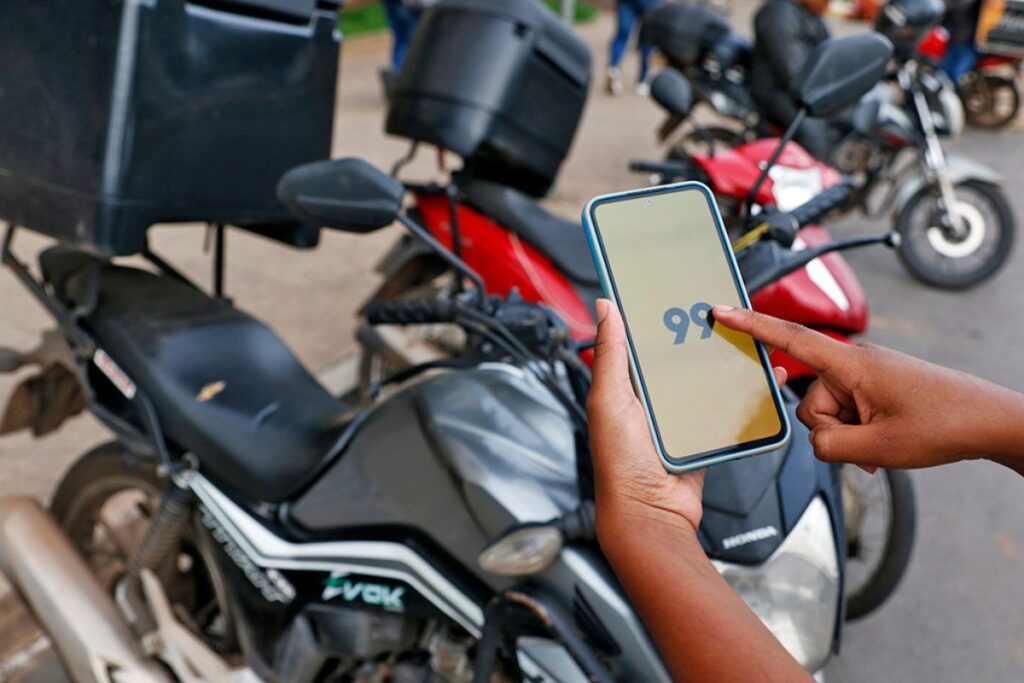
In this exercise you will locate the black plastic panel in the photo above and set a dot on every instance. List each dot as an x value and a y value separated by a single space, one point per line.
472 81
118 115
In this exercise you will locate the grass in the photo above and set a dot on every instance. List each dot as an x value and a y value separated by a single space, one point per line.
371 19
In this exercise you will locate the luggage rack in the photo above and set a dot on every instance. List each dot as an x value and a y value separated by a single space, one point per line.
147 438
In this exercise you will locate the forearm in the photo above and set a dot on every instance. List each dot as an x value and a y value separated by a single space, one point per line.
996 429
703 629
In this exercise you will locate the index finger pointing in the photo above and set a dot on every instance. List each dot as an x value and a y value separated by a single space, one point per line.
807 346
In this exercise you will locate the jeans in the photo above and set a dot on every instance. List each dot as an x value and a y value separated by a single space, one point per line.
960 58
402 20
627 15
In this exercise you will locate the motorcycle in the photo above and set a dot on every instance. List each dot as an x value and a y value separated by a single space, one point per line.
395 542
515 244
989 91
890 144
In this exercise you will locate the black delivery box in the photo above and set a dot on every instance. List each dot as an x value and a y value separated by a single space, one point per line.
502 84
117 114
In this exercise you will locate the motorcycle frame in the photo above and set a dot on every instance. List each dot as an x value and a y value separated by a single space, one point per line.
147 442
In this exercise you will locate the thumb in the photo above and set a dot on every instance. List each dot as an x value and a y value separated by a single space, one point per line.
611 360
855 444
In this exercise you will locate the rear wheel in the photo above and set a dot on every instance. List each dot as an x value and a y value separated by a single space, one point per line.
936 255
105 503
880 517
990 101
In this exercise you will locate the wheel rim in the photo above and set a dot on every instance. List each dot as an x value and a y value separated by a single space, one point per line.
937 249
951 247
990 103
868 519
108 520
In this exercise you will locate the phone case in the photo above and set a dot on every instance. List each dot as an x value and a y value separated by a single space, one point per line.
602 270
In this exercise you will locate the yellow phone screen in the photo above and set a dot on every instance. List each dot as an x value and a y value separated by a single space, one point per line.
707 388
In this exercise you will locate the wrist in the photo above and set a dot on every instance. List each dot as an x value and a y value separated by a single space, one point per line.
998 432
625 526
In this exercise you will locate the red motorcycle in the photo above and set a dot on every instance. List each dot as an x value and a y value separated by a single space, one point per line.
789 265
989 90
514 243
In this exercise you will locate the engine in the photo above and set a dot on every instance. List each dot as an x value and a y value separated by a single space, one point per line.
357 646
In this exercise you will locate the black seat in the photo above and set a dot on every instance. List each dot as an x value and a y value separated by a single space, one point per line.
224 386
562 241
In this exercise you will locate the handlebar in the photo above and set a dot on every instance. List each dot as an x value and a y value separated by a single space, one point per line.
671 169
410 312
801 258
782 226
823 204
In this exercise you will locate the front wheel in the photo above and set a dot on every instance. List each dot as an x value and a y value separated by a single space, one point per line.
880 517
936 254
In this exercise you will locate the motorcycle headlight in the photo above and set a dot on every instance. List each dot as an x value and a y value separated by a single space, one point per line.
792 187
795 592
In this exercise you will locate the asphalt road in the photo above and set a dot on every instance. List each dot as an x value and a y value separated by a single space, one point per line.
959 614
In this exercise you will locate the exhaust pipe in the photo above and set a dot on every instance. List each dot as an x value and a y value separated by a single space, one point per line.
93 640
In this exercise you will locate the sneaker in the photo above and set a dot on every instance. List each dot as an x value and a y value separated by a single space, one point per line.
643 88
613 84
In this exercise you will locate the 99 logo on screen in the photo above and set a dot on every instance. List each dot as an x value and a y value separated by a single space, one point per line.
677 320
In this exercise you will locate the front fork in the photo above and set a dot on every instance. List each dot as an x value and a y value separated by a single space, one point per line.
934 156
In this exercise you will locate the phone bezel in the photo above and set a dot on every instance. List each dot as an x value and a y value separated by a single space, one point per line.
679 464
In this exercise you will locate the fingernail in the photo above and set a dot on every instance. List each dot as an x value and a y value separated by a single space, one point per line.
720 308
602 309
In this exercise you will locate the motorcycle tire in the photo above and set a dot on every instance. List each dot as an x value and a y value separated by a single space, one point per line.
915 256
981 95
899 545
102 474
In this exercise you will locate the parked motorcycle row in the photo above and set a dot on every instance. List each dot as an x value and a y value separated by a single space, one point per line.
953 216
436 521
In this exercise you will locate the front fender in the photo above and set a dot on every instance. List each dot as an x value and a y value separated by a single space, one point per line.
960 169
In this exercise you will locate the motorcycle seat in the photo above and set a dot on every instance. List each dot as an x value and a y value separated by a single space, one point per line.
562 241
224 387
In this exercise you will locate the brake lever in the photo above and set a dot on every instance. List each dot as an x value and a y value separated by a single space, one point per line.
805 256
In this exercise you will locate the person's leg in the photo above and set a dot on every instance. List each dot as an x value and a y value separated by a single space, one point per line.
392 12
625 17
402 20
645 64
960 59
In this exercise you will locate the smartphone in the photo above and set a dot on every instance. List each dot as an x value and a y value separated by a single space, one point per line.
664 259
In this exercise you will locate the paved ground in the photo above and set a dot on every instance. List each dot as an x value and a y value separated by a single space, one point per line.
959 615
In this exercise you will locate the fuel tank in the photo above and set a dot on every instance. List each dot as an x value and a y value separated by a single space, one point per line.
458 457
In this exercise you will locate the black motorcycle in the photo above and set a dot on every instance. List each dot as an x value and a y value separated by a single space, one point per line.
245 525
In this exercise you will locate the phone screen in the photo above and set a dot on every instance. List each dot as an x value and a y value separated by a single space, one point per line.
708 388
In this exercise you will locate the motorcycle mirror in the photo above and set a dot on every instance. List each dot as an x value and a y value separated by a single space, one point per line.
840 71
343 194
355 196
672 92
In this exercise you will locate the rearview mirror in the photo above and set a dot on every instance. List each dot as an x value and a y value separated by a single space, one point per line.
672 92
840 71
344 194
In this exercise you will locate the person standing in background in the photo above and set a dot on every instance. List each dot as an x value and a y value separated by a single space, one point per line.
961 21
786 32
628 14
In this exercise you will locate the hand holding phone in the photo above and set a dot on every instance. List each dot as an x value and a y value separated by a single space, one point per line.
708 392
